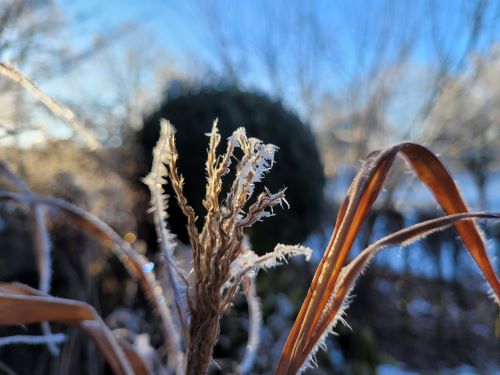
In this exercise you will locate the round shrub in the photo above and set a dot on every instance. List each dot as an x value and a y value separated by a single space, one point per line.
298 164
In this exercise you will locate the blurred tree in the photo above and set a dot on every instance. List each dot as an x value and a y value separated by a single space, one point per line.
299 167
25 27
107 76
466 121
363 73
135 72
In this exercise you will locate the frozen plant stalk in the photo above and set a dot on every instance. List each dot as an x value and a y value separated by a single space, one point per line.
220 259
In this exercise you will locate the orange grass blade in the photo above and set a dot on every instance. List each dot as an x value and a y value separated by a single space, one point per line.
23 305
404 237
365 187
18 307
432 172
134 262
361 195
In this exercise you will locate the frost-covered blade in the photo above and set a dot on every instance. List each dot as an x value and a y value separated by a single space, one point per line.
316 313
135 263
21 304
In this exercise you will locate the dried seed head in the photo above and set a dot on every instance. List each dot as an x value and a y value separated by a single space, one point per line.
221 257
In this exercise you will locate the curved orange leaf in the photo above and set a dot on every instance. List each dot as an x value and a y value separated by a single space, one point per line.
364 190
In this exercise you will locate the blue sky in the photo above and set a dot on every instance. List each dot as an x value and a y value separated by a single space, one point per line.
172 23
180 26
352 29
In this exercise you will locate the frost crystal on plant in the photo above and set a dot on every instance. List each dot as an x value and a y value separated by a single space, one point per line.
222 261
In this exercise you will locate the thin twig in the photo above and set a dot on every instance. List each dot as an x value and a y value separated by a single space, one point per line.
57 109
56 338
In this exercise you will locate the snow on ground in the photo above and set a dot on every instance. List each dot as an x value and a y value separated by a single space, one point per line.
462 370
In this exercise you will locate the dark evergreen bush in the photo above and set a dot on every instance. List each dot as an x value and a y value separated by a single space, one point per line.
298 163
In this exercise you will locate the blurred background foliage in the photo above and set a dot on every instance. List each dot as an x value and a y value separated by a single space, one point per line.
327 82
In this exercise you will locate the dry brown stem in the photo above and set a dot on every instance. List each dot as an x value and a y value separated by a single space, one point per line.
220 260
